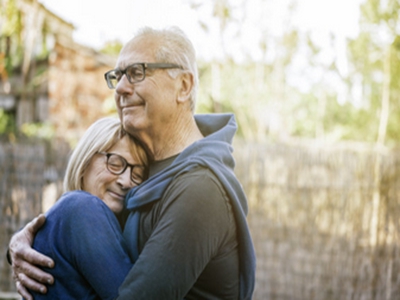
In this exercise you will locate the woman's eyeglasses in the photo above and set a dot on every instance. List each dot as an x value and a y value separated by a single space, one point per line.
117 165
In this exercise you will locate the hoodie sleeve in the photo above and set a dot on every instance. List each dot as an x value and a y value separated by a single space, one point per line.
90 237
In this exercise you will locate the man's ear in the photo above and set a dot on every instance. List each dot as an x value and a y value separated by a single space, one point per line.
186 86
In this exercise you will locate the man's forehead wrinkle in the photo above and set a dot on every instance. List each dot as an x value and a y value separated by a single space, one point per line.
131 56
138 50
124 62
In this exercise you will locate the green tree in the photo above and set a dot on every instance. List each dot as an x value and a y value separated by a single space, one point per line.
375 55
10 36
375 58
7 123
112 48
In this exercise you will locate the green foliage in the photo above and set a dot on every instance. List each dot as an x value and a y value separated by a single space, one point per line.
45 51
39 130
234 94
7 123
10 34
112 47
379 37
260 92
109 107
12 18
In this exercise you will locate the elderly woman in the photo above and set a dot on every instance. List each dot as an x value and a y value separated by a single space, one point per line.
82 233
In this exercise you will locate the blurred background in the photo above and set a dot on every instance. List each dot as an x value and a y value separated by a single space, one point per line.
314 85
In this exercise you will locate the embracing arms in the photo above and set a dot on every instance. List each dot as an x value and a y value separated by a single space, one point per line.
84 238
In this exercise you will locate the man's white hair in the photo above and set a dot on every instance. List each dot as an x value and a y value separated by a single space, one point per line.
174 47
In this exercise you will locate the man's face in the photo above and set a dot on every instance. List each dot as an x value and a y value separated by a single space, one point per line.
145 107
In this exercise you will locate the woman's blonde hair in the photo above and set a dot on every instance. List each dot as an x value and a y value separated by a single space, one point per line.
100 136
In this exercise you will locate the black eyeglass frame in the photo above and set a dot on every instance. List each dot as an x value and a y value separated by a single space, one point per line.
144 66
108 155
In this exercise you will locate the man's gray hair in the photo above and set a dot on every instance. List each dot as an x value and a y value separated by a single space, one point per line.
175 47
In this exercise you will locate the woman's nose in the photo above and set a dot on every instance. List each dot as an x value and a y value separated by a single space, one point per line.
124 179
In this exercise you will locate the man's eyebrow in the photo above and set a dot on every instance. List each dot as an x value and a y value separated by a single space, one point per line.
123 66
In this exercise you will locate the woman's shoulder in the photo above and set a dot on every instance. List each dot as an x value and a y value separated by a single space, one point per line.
77 202
77 209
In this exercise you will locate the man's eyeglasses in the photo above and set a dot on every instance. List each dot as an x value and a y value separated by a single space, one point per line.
135 72
117 165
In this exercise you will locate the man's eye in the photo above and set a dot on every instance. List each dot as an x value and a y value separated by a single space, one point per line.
135 71
117 75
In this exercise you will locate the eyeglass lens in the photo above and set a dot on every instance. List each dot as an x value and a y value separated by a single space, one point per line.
117 164
134 73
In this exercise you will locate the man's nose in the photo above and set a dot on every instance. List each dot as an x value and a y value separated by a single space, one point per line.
124 86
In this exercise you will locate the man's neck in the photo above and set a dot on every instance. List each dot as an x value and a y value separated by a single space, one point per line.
173 139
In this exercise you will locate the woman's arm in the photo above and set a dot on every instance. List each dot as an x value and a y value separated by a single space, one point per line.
85 239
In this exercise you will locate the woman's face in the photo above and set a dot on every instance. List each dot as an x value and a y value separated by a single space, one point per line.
100 182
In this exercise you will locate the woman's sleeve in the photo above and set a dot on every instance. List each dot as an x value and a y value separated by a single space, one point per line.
94 238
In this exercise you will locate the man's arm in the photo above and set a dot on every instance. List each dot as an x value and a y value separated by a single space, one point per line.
25 260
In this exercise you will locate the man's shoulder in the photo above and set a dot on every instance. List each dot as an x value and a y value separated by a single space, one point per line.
198 187
197 177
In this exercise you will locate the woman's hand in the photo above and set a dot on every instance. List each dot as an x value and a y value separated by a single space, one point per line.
26 262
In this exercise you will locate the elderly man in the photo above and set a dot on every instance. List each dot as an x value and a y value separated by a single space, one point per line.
187 229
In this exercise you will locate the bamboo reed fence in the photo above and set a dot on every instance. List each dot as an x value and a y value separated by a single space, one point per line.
26 168
323 226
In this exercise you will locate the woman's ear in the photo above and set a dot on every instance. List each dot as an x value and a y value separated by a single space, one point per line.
186 86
